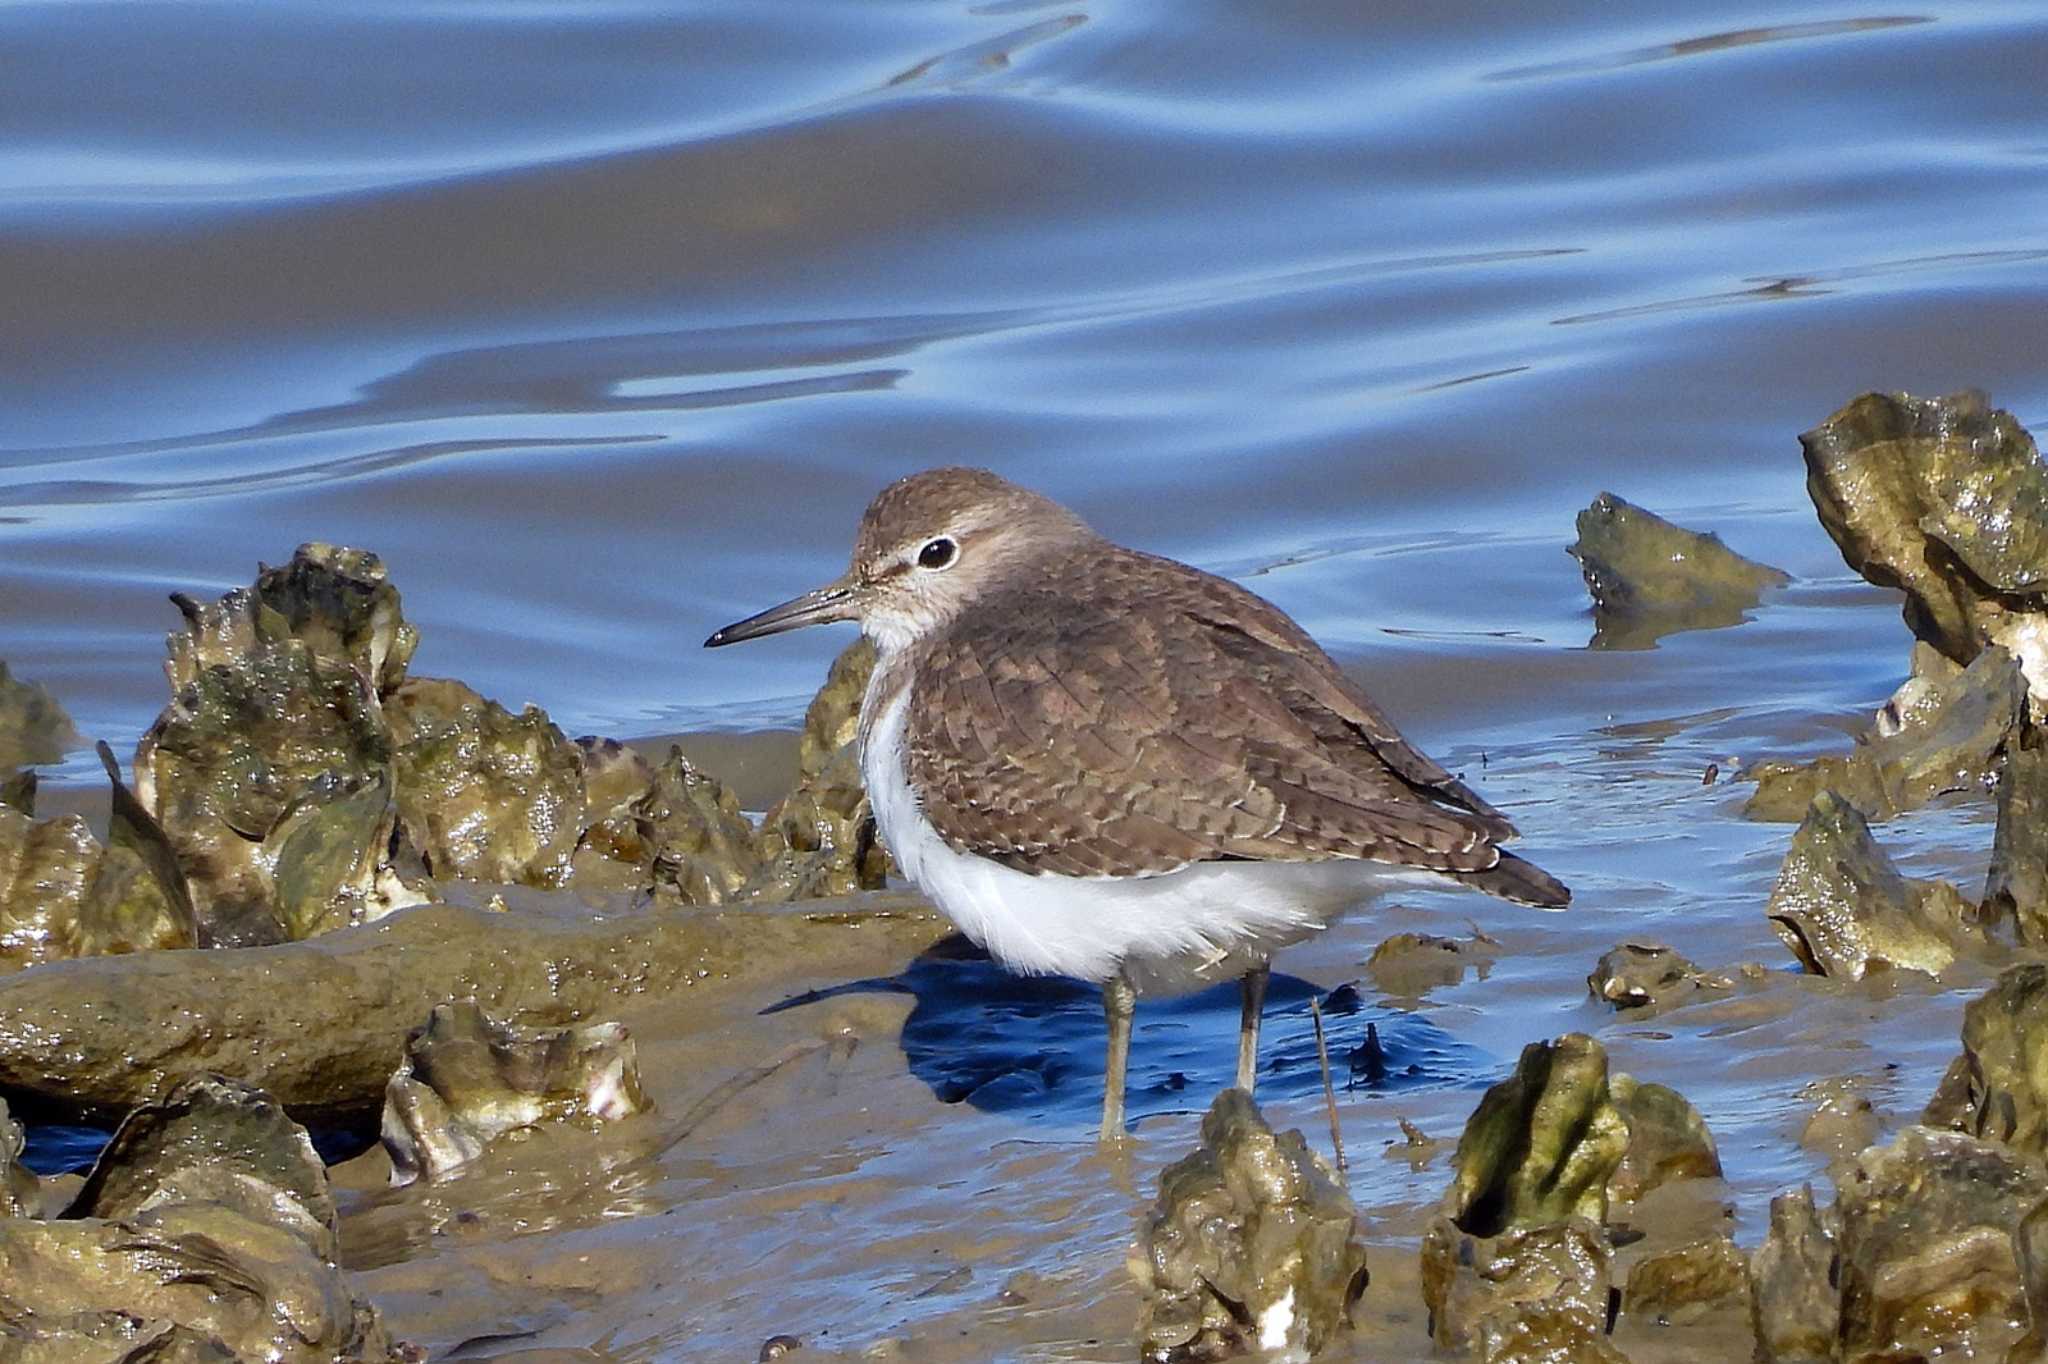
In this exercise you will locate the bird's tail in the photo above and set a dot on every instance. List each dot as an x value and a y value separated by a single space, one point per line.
1521 881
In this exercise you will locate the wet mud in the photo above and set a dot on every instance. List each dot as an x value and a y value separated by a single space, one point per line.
320 1025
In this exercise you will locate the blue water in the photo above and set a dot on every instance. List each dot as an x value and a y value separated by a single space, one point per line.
602 321
54 1149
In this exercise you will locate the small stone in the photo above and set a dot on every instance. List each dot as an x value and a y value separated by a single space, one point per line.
1649 976
1020 1288
1409 965
1416 1147
1844 1120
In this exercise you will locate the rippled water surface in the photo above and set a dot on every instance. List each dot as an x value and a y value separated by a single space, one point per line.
602 321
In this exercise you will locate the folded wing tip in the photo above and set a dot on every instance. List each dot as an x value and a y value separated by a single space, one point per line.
1522 882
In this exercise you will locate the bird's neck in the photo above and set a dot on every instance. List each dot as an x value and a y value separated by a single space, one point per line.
895 666
891 634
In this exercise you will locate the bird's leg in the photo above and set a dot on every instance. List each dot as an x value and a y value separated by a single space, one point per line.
1119 1001
1254 991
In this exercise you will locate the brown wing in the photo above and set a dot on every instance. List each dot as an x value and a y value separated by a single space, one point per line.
1149 717
1317 691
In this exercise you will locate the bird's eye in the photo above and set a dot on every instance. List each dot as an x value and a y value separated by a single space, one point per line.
938 553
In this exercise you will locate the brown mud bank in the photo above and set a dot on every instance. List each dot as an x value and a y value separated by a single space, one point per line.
320 1024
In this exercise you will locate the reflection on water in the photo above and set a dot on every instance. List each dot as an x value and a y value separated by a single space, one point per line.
1033 1047
56 1150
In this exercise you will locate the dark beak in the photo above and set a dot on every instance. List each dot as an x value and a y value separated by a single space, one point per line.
833 601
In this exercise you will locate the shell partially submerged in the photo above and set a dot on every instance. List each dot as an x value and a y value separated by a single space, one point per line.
1649 578
468 1080
1844 910
33 727
1650 977
1944 730
205 1231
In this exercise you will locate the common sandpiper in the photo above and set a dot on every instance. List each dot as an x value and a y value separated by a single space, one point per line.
1104 764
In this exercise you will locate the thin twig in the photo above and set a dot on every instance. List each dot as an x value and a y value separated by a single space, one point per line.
1315 1012
732 1087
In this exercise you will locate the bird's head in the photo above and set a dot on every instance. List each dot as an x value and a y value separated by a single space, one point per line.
929 546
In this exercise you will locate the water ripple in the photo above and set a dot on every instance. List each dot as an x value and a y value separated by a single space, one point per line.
1814 284
1711 43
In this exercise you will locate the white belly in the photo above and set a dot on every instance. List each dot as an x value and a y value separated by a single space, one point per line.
1178 930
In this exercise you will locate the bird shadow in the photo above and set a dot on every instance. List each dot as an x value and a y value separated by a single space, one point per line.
1032 1046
